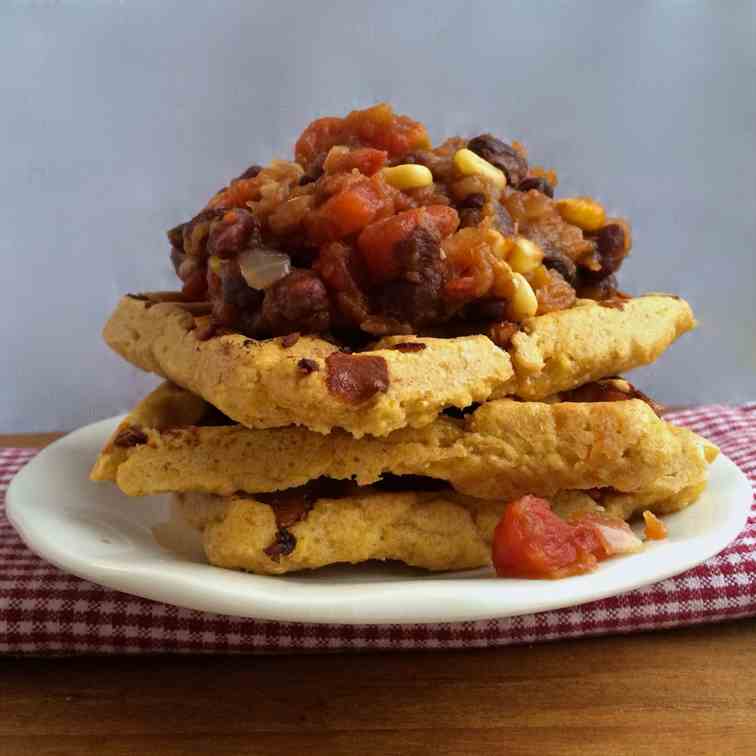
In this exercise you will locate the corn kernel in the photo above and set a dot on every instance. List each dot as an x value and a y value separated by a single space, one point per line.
470 164
539 277
408 176
524 302
500 245
526 255
214 263
582 212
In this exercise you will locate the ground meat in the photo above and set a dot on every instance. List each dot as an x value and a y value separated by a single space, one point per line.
440 161
502 220
475 258
502 155
289 217
343 272
538 219
298 302
416 298
555 294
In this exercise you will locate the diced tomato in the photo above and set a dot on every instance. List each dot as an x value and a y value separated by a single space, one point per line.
318 138
376 127
352 209
365 159
379 127
655 529
531 541
377 242
358 204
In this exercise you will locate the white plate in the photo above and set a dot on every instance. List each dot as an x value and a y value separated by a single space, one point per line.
97 533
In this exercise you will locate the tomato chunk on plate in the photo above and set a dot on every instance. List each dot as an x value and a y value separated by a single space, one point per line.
531 541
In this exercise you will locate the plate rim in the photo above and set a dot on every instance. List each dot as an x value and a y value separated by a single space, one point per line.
341 604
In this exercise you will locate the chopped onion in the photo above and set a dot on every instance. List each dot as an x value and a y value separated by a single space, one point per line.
618 539
261 268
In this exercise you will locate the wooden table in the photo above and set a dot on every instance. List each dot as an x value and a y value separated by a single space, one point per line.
686 692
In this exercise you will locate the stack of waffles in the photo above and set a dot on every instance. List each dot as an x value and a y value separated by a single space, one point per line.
295 435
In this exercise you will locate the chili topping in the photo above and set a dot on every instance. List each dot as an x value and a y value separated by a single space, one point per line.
371 230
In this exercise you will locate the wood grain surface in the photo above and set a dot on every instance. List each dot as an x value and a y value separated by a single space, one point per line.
689 692
677 692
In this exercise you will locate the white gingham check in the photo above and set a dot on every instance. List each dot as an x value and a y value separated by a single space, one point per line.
46 611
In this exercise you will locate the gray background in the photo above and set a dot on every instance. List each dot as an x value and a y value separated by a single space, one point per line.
119 120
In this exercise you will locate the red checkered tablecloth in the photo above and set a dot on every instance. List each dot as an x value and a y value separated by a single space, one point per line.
46 611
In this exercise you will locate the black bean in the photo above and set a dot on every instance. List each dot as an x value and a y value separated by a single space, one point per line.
596 288
228 238
298 302
487 309
502 155
251 172
417 298
196 231
538 183
611 246
473 201
562 265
